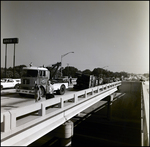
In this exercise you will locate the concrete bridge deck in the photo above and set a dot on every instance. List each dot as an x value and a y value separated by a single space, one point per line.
121 127
23 125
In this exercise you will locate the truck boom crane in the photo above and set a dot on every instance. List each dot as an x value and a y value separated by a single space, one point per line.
53 70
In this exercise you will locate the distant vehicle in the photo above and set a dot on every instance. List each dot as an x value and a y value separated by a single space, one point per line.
10 83
142 79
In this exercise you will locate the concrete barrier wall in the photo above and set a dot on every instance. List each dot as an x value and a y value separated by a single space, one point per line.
145 116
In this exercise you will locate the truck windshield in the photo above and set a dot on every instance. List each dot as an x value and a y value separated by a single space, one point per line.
29 73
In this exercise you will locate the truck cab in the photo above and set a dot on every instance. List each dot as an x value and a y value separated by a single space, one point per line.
32 76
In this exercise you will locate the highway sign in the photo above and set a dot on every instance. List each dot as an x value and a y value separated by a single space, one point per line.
10 40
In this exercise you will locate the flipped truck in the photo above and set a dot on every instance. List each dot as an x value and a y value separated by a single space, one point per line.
41 76
85 81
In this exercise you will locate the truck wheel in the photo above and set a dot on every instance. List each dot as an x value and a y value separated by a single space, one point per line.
62 89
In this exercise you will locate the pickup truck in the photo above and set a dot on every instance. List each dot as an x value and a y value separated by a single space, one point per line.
10 83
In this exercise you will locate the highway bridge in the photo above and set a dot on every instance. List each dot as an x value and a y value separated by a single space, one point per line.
23 121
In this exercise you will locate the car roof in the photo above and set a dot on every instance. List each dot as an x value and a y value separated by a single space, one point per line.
6 78
35 68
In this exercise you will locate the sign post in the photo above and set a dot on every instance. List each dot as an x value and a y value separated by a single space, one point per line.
5 59
10 41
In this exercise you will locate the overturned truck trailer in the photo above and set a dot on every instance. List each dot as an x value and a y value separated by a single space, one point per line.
85 81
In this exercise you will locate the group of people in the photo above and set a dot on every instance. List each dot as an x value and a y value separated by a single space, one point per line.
38 91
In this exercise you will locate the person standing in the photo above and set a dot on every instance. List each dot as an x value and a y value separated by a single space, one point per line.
37 93
70 80
50 90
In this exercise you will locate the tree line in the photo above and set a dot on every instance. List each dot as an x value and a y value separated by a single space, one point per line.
69 71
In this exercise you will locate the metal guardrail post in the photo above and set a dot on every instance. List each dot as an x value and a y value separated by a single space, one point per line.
5 125
13 119
42 112
85 94
61 104
75 98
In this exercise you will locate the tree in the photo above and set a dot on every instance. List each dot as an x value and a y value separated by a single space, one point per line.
86 71
146 75
9 72
98 72
18 71
2 72
69 71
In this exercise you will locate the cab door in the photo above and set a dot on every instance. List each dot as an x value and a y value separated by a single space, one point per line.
42 77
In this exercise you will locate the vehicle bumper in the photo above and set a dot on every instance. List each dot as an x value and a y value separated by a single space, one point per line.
24 91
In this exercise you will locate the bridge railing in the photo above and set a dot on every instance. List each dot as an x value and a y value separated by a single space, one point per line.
20 118
145 116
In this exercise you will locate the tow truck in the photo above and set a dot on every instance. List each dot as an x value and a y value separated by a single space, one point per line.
40 76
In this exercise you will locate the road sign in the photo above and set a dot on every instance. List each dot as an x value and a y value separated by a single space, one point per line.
10 40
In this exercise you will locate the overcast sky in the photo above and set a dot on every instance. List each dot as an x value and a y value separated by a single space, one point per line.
100 33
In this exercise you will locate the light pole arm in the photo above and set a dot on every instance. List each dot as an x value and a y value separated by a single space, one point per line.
61 60
104 67
66 54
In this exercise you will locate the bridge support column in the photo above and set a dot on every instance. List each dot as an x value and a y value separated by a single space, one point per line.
65 132
109 100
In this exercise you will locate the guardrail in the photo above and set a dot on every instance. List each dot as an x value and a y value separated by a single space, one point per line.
144 116
62 108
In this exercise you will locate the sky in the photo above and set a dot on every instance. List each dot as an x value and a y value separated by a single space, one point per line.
113 35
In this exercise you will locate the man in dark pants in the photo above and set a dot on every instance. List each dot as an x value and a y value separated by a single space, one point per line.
37 93
50 90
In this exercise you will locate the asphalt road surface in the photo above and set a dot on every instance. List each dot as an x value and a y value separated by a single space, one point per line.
11 99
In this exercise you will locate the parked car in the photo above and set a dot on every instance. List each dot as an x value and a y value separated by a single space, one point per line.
10 83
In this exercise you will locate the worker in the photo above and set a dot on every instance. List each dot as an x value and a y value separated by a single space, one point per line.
37 93
50 90
70 80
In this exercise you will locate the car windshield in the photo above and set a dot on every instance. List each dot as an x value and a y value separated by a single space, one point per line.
29 73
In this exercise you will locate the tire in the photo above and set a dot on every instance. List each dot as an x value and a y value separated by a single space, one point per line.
16 86
62 89
48 96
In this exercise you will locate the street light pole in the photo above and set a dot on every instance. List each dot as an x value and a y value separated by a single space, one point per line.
5 60
103 68
61 60
14 63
